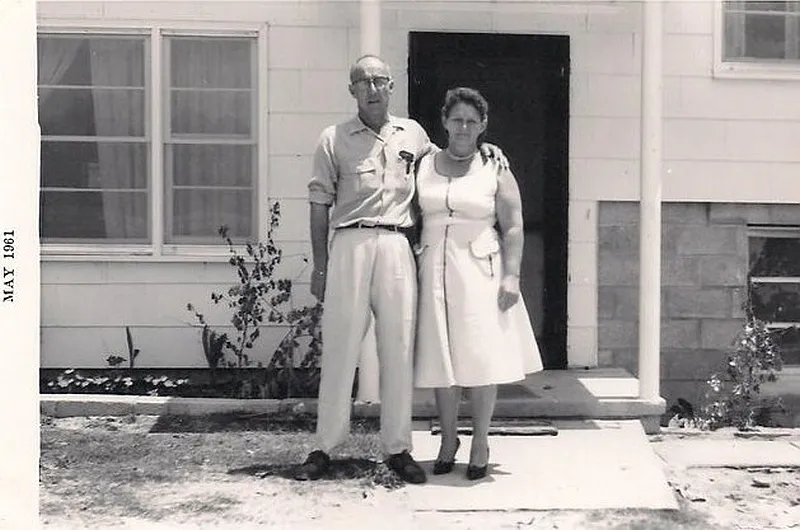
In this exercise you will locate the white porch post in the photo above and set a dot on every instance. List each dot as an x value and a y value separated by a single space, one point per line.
371 27
650 203
368 370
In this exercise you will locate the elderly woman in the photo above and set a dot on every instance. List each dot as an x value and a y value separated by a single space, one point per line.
473 329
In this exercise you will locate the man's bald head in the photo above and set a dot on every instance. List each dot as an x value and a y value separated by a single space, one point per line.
371 85
368 62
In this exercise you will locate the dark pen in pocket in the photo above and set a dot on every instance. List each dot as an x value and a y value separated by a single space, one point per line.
409 158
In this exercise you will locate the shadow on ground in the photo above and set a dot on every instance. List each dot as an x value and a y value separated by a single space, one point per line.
345 468
290 423
368 470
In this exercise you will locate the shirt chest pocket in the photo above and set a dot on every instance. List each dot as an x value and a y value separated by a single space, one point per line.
360 177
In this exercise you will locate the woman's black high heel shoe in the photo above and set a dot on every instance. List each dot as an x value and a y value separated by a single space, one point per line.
478 472
443 467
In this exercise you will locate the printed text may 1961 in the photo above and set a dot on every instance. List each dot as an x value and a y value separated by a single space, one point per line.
8 266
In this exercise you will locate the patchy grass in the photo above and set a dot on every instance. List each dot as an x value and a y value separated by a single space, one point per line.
104 466
272 423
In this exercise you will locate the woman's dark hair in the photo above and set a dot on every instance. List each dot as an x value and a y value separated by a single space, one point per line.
467 95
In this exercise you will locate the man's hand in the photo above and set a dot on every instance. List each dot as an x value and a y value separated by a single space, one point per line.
318 226
495 154
318 285
508 294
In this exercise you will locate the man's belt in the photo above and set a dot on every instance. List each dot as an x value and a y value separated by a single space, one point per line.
405 230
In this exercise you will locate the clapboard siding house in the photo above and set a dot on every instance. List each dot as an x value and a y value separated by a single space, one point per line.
163 120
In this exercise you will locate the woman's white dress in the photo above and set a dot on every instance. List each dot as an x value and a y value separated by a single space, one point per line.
463 339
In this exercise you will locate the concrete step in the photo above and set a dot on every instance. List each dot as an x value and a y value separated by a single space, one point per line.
600 393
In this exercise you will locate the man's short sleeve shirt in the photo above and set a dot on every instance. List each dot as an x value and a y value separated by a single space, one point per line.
367 176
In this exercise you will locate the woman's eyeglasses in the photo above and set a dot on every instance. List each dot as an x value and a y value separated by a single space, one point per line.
462 123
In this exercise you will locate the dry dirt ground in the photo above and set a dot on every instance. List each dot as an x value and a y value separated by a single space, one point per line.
144 472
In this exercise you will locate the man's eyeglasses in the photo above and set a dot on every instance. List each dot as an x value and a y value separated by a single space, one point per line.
379 82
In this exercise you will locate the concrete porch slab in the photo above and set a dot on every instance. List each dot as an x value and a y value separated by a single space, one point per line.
728 453
592 464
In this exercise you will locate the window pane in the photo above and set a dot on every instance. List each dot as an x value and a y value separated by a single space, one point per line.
760 5
201 212
734 36
93 86
105 215
776 302
211 63
91 112
774 256
789 342
209 165
210 93
91 61
765 36
94 165
762 30
211 113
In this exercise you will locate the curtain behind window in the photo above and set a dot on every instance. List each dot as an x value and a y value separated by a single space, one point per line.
761 30
211 155
118 63
94 168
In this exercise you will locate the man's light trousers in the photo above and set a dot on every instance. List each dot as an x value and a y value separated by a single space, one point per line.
369 270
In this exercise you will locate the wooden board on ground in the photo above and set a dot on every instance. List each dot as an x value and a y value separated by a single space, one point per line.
506 427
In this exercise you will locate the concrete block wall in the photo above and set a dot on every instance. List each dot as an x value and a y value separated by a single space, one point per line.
704 283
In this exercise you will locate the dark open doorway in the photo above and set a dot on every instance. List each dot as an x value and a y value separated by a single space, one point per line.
525 78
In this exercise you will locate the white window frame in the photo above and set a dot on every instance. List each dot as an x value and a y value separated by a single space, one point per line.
769 70
156 31
776 232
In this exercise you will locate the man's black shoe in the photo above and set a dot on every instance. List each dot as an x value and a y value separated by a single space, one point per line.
404 465
314 467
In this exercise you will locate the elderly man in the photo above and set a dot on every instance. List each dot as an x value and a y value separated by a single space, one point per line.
361 188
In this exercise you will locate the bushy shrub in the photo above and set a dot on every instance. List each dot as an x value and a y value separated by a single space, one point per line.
260 298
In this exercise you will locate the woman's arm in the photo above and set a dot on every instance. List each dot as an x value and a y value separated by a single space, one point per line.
509 217
415 233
